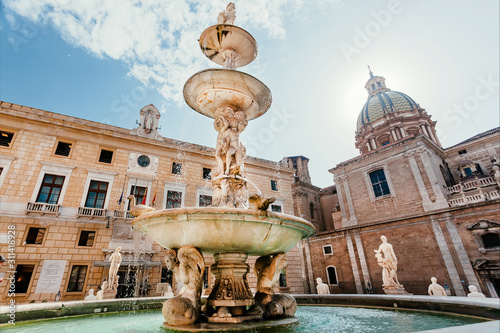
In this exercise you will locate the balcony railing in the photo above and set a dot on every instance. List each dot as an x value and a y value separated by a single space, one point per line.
122 214
42 208
470 199
91 212
471 185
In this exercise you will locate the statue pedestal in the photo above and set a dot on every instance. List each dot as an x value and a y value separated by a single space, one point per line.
395 290
109 294
231 288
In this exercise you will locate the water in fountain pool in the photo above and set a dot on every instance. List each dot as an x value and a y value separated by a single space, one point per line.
316 319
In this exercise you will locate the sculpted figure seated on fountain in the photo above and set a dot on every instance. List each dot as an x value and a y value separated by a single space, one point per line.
268 269
474 292
188 266
322 288
227 16
436 289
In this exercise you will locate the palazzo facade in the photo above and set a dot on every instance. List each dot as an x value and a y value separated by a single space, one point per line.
64 184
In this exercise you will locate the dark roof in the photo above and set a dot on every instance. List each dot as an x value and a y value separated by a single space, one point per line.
296 157
478 136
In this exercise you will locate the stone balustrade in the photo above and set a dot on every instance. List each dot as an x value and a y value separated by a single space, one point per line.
471 185
42 208
122 214
91 212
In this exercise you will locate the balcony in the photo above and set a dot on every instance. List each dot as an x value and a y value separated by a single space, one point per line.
122 214
472 184
91 212
473 191
42 208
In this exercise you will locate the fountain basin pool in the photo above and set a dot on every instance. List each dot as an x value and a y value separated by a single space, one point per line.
211 229
316 319
367 313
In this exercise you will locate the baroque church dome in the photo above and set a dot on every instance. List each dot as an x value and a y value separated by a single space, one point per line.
390 116
382 102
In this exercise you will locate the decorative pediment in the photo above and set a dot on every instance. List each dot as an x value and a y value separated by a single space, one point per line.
483 225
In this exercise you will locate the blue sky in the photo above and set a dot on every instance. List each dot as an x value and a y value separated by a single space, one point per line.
105 60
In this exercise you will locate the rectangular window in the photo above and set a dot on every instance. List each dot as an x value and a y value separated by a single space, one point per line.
96 195
86 238
205 200
282 279
461 152
327 249
50 189
106 156
205 278
276 208
23 277
35 235
63 148
177 168
166 276
274 185
77 278
174 199
207 173
139 192
6 138
379 183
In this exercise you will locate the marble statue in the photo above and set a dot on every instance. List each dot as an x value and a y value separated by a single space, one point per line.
229 152
496 174
188 266
116 260
268 269
474 292
259 202
100 293
227 16
136 210
322 288
148 125
435 289
90 296
388 262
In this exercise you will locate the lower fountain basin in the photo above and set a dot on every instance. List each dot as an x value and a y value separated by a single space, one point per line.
216 229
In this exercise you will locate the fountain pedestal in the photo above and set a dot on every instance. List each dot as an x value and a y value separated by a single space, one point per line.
231 288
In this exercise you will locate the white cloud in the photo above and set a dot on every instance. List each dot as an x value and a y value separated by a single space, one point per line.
157 39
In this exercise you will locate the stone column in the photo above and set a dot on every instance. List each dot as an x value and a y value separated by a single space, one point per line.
461 252
352 216
361 255
437 186
394 136
426 202
341 199
447 258
354 265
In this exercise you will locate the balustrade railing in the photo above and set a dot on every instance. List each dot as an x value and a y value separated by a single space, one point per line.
122 214
91 212
42 208
471 185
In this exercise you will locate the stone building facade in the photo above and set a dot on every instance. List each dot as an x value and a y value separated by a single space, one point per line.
64 184
439 208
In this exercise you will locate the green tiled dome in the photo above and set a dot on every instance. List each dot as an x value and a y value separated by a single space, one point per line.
381 103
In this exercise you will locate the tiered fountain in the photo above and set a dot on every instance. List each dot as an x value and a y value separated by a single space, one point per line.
228 230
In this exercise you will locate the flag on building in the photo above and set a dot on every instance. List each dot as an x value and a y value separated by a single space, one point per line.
145 196
154 197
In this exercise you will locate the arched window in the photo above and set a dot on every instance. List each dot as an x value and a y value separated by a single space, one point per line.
311 210
490 240
331 273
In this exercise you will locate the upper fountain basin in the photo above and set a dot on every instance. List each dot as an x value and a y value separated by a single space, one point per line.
218 38
220 229
210 89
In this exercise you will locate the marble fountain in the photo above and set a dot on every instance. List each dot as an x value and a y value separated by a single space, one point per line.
229 229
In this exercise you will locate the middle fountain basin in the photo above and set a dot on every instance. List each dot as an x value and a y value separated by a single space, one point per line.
216 229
